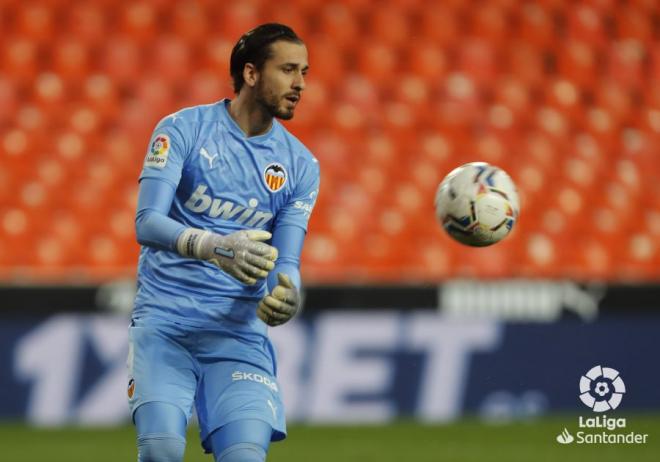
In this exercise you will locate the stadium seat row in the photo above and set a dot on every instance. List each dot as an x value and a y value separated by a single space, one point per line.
565 97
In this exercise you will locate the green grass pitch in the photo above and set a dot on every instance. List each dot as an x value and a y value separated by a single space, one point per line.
465 441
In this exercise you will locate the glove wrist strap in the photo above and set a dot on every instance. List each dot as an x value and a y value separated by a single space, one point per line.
191 242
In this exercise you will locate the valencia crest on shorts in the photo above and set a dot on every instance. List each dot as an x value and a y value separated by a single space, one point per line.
275 176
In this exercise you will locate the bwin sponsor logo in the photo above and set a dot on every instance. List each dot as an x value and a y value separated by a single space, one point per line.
237 375
200 202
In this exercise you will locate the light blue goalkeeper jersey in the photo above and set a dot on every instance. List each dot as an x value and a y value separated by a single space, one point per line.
224 182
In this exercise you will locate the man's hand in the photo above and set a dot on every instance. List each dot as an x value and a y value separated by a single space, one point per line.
242 254
282 303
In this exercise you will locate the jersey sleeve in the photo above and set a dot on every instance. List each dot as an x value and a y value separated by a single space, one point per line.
288 240
167 151
299 208
152 225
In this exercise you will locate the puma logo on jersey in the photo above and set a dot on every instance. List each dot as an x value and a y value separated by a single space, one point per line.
214 207
205 154
272 408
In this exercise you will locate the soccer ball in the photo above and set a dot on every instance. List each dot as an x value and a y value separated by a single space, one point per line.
477 204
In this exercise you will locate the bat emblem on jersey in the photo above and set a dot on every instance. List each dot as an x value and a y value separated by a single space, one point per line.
205 154
275 176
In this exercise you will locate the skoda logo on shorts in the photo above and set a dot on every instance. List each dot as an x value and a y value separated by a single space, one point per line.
602 389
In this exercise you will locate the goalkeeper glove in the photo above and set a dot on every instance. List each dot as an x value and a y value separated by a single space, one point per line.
282 304
241 254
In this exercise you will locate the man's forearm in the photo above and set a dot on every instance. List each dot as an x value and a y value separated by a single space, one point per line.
157 230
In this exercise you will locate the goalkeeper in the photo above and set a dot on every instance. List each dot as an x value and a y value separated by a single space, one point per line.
225 196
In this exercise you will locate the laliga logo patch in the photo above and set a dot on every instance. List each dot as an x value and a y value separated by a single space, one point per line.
160 148
602 389
160 145
131 388
275 177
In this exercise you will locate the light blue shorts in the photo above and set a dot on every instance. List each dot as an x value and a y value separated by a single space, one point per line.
227 375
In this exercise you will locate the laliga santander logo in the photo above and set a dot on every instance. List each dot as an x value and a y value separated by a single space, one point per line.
160 145
602 389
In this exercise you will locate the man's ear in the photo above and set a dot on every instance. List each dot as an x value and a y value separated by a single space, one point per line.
250 75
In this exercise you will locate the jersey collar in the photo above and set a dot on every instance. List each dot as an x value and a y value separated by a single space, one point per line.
236 130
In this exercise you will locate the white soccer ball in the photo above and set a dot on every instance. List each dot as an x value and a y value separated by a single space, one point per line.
477 204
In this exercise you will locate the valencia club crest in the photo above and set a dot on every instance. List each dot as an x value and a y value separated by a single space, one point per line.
275 177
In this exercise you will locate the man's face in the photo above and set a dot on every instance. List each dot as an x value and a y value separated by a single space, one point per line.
282 79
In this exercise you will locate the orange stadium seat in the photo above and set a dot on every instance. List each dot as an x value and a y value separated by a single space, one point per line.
654 64
20 58
169 57
138 119
412 89
205 87
577 61
214 55
536 25
586 23
294 18
87 22
329 65
625 62
526 62
140 20
633 22
157 93
121 59
71 59
377 62
236 17
390 26
9 99
428 61
102 94
36 21
190 22
615 98
337 22
83 119
441 24
512 93
490 22
478 59
50 91
564 97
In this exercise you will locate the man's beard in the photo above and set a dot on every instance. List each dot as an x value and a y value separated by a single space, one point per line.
270 104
